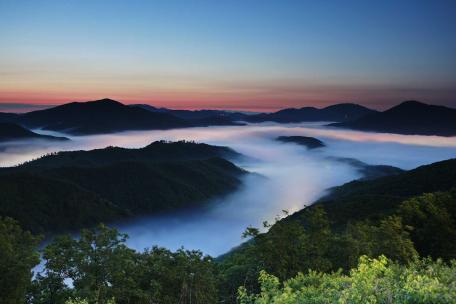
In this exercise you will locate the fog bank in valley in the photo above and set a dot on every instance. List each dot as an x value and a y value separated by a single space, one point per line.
289 176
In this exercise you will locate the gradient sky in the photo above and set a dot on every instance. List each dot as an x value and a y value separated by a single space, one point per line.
249 55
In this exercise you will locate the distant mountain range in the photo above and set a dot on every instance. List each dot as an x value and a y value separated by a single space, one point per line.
197 114
108 116
70 190
11 131
409 117
339 112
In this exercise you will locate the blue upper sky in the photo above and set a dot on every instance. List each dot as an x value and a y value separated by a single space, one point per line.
228 54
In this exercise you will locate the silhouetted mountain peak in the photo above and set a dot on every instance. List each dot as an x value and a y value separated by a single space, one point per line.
410 104
409 117
305 108
416 107
98 116
106 101
345 105
337 112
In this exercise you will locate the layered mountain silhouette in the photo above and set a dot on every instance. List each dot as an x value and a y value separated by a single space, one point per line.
409 117
12 132
69 190
99 116
210 116
108 116
339 112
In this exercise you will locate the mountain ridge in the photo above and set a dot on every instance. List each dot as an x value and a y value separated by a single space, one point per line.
98 116
409 117
337 112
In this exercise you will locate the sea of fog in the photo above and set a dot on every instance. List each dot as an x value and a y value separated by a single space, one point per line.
289 176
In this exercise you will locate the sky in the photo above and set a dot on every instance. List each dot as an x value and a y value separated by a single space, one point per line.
238 55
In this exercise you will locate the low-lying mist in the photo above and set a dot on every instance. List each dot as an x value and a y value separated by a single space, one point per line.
289 176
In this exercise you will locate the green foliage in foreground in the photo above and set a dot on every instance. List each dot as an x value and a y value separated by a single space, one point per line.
18 256
98 268
423 226
373 281
101 268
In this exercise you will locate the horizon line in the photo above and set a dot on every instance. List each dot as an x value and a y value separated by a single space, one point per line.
25 107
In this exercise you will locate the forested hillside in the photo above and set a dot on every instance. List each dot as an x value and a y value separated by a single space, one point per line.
402 217
70 190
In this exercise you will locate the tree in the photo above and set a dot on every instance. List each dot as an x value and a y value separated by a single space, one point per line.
101 268
433 218
18 255
178 277
98 263
48 289
389 237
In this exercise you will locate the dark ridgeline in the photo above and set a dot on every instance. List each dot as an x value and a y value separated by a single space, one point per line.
69 190
308 142
108 116
13 132
197 114
409 117
368 171
100 116
338 112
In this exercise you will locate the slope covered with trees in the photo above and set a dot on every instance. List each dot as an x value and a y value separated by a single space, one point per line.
70 190
402 217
